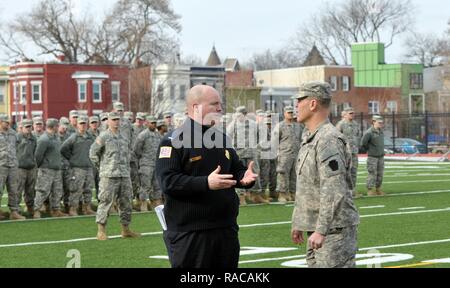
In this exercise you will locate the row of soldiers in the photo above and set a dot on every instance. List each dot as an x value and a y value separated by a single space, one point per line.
51 164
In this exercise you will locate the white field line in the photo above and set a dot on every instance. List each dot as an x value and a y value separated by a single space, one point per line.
404 182
410 208
361 249
372 207
241 226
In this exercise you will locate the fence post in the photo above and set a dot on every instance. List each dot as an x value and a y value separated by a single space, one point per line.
426 130
393 130
362 123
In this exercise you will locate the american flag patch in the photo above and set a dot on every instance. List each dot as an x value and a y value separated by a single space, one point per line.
166 152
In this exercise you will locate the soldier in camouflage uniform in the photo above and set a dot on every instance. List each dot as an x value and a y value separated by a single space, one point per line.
104 122
168 118
289 134
94 130
129 115
161 126
8 167
145 148
267 159
242 131
324 206
63 134
373 142
126 129
76 151
26 148
49 163
38 127
72 126
111 155
351 130
138 127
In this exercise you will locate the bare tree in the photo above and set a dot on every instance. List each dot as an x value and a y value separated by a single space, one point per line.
283 58
426 49
334 28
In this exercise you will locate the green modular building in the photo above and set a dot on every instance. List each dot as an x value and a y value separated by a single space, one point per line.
371 70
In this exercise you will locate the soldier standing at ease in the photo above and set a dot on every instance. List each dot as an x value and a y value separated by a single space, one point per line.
64 125
351 130
145 148
49 179
76 151
289 135
373 143
162 128
38 127
138 127
111 155
267 159
26 148
94 122
104 122
8 168
324 206
168 119
72 126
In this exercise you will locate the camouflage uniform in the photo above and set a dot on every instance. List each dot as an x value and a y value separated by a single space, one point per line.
96 176
49 178
289 136
240 133
111 155
66 173
8 168
267 160
373 143
76 151
134 169
26 148
324 202
353 134
145 148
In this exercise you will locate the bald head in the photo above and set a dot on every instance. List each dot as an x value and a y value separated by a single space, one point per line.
202 101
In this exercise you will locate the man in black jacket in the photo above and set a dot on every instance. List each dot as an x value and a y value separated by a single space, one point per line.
198 172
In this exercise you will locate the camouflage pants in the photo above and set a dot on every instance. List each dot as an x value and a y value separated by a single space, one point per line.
96 181
26 183
81 186
354 170
338 251
286 176
8 178
257 187
135 179
118 189
66 182
149 189
268 175
375 167
48 184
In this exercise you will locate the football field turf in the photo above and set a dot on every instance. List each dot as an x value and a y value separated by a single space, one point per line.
410 227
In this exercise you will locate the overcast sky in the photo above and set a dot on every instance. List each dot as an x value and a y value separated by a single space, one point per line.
239 28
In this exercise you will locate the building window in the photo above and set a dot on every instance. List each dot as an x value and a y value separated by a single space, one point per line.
2 93
392 106
374 107
416 81
115 91
172 92
182 92
97 92
271 106
82 92
160 92
333 83
23 93
36 92
345 83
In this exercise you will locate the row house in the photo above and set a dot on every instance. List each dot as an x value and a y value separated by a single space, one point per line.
4 90
51 90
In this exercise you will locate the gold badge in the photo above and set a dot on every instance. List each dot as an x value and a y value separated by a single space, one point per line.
195 159
227 154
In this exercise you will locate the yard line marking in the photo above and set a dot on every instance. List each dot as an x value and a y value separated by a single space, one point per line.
404 182
372 207
411 265
241 226
410 208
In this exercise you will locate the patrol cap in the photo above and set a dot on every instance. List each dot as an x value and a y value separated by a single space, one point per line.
319 90
27 123
349 110
128 114
260 112
4 118
113 116
289 109
38 121
160 123
64 121
118 106
241 109
93 119
167 114
378 118
140 116
83 119
103 116
74 114
52 123
151 119
268 121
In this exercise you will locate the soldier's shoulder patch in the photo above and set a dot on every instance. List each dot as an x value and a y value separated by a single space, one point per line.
165 152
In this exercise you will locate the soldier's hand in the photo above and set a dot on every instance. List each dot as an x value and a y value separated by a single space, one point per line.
217 181
297 237
249 176
316 241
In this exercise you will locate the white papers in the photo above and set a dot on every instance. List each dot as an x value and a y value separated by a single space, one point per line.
160 213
